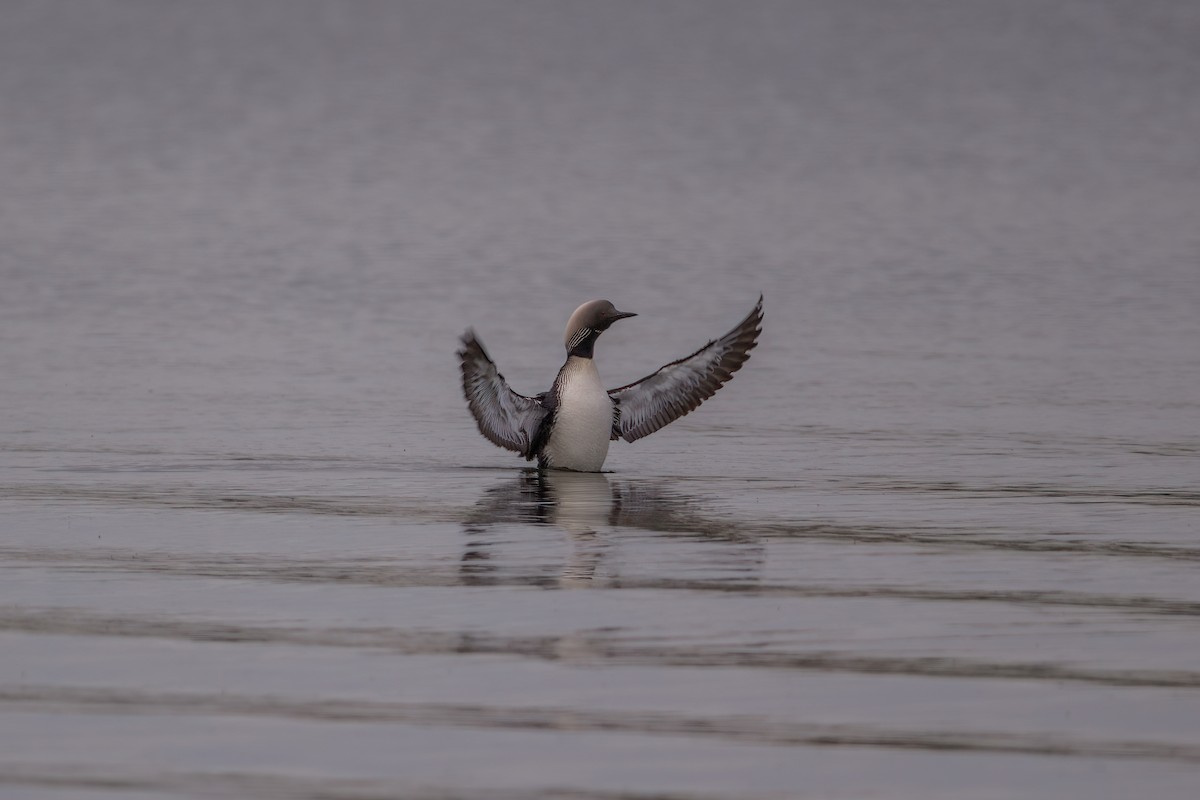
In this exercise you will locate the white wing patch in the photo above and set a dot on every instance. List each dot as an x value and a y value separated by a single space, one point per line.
506 418
679 387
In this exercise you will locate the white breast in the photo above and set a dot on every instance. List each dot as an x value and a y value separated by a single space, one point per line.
583 423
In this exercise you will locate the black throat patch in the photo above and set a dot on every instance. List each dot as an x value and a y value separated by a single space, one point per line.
583 343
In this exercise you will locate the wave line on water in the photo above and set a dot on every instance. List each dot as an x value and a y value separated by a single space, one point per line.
742 728
586 649
657 515
372 573
92 777
1076 494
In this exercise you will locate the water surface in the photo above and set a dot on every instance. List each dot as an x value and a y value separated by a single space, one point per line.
938 539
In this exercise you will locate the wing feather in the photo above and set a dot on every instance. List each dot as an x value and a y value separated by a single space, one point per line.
681 386
507 419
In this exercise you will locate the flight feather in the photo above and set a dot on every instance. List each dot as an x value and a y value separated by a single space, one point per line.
508 419
679 387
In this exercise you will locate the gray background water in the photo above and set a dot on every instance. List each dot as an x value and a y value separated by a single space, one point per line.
938 539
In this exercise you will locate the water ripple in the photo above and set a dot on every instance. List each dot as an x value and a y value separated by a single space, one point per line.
742 728
584 649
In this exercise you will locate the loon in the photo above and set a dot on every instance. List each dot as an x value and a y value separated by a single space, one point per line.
570 426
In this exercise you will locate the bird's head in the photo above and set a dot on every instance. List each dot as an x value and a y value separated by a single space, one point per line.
588 322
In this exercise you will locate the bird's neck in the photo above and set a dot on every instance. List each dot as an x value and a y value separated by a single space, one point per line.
583 344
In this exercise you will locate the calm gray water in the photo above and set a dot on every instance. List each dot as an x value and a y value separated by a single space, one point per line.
939 539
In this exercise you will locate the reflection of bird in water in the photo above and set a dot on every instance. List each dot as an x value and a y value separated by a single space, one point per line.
578 503
592 510
581 503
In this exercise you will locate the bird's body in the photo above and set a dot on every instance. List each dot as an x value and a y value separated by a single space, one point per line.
583 419
570 426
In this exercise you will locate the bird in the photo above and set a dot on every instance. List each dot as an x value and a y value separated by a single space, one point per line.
570 426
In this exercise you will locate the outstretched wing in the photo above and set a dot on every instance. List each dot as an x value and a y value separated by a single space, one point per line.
508 419
679 387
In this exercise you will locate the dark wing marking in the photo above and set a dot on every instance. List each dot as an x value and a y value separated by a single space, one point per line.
508 419
682 385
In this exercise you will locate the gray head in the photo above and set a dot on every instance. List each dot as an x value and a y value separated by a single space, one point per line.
588 321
